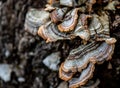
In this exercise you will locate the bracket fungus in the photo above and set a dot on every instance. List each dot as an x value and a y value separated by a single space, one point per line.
58 14
34 19
67 19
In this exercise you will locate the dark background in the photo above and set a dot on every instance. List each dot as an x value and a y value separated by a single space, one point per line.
28 51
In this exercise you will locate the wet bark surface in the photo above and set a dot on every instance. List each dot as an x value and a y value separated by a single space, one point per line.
25 52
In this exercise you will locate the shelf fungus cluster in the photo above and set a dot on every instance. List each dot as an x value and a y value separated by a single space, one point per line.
68 19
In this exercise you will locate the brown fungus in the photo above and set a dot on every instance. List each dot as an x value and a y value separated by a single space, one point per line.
85 75
50 33
67 19
58 14
34 19
93 52
83 60
69 22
